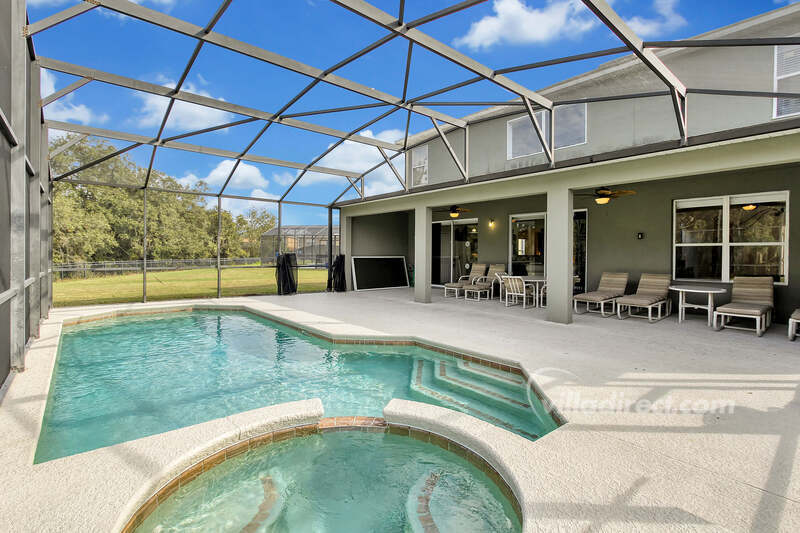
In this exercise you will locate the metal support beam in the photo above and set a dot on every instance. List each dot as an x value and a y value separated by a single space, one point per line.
501 103
452 152
566 59
97 161
191 30
58 18
394 169
219 246
390 23
334 110
160 90
65 91
280 223
679 104
354 183
210 129
610 18
754 94
141 139
546 146
330 248
144 247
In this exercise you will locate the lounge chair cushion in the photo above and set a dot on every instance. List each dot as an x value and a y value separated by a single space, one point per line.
639 300
596 296
740 308
795 315
483 285
457 284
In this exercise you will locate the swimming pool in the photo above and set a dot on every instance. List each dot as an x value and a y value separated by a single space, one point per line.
124 378
348 481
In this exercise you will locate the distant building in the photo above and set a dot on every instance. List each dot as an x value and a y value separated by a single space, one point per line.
310 243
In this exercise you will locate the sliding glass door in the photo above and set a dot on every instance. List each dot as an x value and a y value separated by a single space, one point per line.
527 246
454 249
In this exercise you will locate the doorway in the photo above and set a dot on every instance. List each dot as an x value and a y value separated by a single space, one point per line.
527 246
454 248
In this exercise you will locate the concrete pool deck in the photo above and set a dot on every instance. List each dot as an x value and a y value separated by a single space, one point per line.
607 468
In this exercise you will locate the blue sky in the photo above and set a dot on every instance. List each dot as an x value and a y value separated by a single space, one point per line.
498 33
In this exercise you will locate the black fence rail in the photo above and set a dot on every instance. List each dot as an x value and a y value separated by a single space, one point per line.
69 270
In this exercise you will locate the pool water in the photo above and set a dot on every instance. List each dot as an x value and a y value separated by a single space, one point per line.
124 378
348 481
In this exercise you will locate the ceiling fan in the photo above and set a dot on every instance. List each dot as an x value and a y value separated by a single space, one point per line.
455 211
603 195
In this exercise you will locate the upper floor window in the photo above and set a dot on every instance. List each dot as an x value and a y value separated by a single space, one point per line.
727 236
787 79
570 131
419 166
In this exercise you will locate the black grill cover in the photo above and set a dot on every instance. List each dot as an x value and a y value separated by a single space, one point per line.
286 274
336 278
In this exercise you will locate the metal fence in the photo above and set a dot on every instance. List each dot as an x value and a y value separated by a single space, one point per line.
99 268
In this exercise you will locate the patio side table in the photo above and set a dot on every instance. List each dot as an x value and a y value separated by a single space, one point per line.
700 289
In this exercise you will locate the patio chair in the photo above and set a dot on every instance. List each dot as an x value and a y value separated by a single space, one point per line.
484 284
751 297
793 321
612 286
478 270
652 293
515 288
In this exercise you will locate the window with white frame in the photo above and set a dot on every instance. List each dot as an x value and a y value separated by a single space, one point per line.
718 238
787 79
570 130
419 166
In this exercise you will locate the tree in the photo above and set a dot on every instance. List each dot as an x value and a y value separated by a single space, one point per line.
100 223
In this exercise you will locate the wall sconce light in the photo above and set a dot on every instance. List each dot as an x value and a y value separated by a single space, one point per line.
749 207
491 223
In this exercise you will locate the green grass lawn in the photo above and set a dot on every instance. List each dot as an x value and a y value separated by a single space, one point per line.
175 284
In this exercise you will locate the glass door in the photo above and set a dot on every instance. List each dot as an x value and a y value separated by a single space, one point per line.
580 223
442 253
527 246
465 246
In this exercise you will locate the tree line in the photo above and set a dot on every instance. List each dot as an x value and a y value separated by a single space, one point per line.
101 223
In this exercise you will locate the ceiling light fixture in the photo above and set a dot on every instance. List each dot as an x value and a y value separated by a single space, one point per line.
602 200
749 207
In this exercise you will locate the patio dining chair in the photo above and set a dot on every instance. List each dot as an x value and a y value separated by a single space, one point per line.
516 288
478 270
751 297
651 294
612 286
484 285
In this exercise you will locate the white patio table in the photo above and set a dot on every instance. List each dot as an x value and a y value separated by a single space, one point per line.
700 289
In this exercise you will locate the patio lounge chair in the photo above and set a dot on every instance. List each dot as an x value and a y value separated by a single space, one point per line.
612 286
485 284
793 321
516 288
652 293
751 297
478 270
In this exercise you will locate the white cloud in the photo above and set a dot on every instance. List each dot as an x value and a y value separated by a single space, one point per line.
184 116
245 177
514 22
63 109
240 207
357 157
668 20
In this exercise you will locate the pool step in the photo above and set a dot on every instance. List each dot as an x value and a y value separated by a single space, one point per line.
496 376
418 510
447 376
424 385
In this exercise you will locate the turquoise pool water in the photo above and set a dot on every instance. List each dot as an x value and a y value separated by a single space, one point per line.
120 379
338 482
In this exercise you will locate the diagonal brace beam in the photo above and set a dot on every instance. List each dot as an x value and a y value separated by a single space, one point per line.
449 147
393 168
65 91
